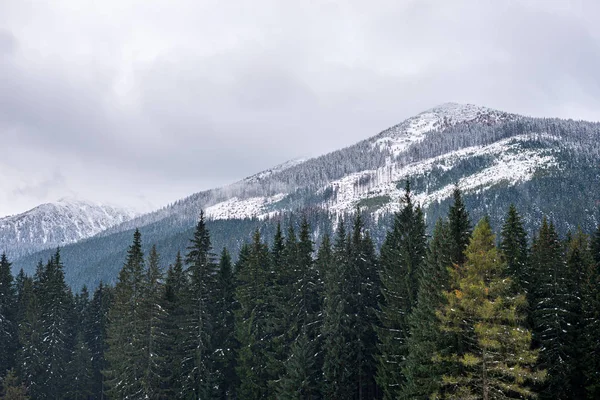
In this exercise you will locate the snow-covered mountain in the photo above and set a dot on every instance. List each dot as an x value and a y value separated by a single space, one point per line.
57 224
546 167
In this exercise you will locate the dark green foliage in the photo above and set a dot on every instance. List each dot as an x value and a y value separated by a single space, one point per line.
126 333
11 387
225 342
401 261
459 226
301 378
80 371
252 320
175 291
550 300
423 375
513 244
199 364
96 337
590 332
8 317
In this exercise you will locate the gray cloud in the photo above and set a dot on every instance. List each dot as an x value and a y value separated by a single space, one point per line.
133 101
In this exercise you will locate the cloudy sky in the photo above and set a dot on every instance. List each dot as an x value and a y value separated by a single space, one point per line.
141 102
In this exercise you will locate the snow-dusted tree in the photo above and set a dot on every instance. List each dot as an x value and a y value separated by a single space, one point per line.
8 317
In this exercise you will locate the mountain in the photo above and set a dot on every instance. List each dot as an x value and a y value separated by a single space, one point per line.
544 166
56 224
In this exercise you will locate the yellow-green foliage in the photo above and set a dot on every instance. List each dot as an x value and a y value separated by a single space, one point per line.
491 355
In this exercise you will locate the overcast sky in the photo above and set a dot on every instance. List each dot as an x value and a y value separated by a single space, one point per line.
140 103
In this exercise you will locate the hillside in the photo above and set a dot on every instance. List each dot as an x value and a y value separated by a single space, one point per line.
544 166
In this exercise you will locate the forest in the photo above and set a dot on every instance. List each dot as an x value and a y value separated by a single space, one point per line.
458 314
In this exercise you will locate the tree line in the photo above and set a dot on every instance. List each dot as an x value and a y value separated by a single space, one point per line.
458 315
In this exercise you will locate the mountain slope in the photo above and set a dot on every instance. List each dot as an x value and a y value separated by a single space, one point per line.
56 224
544 166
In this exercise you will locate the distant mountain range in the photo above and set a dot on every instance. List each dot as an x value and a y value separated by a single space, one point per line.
57 224
544 166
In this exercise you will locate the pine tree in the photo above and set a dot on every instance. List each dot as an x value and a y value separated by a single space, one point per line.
175 292
224 335
401 261
423 375
30 357
80 371
337 375
590 335
305 306
12 388
550 302
199 367
8 317
460 227
96 337
126 331
56 303
251 321
497 362
155 371
579 259
514 247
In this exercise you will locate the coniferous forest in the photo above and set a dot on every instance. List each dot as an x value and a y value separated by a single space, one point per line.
459 314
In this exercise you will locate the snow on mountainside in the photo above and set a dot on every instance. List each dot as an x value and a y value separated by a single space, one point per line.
57 224
477 147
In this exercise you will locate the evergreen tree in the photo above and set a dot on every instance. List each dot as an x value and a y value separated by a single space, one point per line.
8 317
401 261
224 335
305 306
422 374
251 321
497 363
590 335
199 368
552 317
30 357
56 303
96 337
175 292
154 315
127 329
337 375
514 248
459 226
12 388
80 371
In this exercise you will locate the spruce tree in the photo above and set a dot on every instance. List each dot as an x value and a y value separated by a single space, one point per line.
96 337
550 302
126 333
590 335
422 374
225 342
337 375
56 303
8 317
401 262
175 292
251 322
199 369
301 375
497 362
80 371
514 247
459 226
30 359
155 346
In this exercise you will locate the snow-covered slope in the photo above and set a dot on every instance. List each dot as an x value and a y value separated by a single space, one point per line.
57 224
433 142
